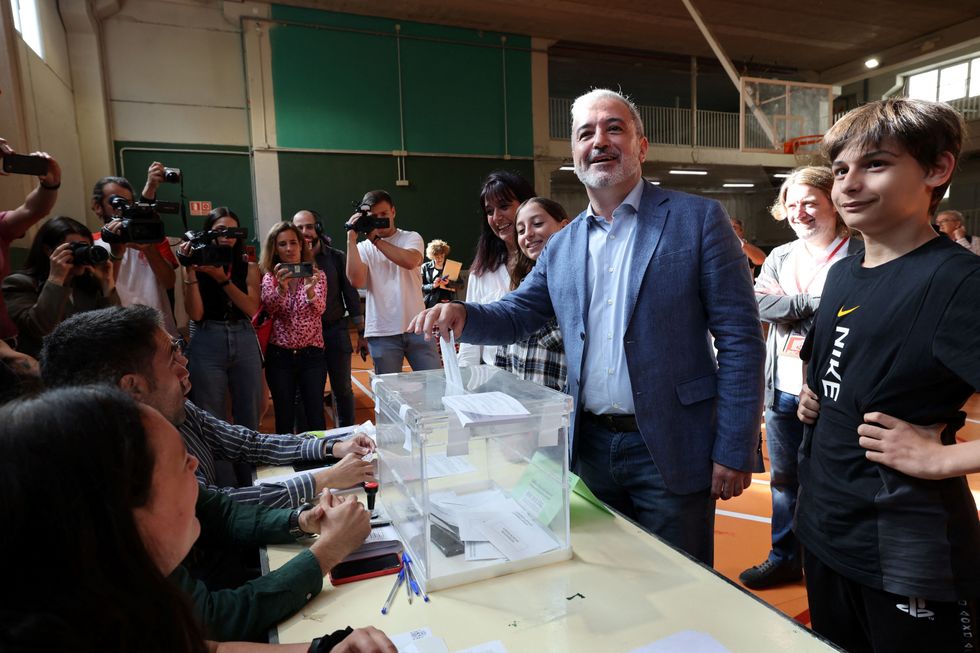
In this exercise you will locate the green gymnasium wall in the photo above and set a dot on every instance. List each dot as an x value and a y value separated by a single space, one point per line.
442 201
221 174
335 78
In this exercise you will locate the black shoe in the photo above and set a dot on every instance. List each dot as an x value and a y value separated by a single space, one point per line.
770 574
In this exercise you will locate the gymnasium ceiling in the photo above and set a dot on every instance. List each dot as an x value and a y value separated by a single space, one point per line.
825 40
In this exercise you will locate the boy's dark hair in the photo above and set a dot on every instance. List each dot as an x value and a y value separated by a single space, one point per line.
924 129
100 346
373 197
98 191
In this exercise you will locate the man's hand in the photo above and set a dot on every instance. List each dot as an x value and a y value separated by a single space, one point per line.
105 275
362 347
365 640
441 319
353 233
345 525
909 448
727 482
359 445
809 408
350 471
213 271
959 233
154 177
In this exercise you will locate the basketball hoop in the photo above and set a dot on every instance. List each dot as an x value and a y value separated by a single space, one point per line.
805 149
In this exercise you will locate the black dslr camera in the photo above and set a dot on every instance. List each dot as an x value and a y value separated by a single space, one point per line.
85 254
367 222
140 222
205 249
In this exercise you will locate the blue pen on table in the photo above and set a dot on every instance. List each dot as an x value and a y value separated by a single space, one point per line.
413 581
391 595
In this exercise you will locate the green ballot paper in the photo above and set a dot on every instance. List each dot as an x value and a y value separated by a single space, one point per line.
539 489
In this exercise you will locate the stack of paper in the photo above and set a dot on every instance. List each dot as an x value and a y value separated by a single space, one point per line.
491 525
485 408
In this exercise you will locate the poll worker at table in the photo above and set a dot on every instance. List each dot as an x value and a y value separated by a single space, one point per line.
128 347
663 427
96 580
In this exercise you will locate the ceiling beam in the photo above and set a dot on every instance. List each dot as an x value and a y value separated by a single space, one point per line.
903 57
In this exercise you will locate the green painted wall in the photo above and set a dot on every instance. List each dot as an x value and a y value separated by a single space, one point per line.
337 89
221 178
442 201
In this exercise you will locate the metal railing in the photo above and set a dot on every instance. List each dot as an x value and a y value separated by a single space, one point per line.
663 125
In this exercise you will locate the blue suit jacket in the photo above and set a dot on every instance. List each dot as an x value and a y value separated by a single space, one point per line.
690 281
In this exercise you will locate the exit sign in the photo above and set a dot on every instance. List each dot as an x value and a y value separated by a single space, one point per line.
200 208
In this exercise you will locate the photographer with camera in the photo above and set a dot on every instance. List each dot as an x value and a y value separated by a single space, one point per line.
342 302
221 293
64 274
15 223
386 264
294 295
139 250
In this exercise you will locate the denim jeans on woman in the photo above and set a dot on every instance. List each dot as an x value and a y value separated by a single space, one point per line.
225 356
288 371
784 433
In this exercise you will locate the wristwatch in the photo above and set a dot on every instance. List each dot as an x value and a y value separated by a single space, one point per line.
328 448
294 528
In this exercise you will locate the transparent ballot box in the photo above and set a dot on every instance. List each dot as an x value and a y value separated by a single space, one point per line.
478 494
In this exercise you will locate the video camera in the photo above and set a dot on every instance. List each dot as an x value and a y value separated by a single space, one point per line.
205 249
367 222
140 222
86 254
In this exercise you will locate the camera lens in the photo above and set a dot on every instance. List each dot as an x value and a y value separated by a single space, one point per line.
171 175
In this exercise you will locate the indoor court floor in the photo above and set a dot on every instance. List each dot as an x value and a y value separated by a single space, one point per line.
741 524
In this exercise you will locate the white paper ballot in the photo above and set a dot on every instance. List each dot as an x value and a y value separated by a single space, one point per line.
454 378
280 478
382 534
428 645
686 641
403 640
481 551
515 534
485 408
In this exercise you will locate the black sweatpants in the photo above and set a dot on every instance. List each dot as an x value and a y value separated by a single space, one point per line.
861 619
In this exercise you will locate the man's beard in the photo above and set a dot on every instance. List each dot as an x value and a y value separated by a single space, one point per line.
626 170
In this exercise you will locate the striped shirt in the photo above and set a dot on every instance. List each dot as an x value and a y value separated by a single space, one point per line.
209 438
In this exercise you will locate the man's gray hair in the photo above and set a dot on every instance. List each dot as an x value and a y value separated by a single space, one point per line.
596 94
956 215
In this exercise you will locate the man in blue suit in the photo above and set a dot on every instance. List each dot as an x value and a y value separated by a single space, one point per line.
640 282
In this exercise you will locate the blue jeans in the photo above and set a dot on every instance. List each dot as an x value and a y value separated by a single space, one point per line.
387 352
222 356
336 352
292 370
619 469
784 432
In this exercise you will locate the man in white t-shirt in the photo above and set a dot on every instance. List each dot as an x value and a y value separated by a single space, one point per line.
386 264
144 271
788 292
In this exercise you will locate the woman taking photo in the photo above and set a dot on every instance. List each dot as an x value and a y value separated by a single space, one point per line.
64 274
294 298
496 251
541 357
97 579
224 353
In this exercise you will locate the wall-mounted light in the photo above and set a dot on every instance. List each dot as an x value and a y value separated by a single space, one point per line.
781 175
652 181
738 185
567 168
688 172
872 63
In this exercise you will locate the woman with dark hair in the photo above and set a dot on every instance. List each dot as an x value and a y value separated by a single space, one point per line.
64 274
96 579
496 252
224 352
294 356
541 356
